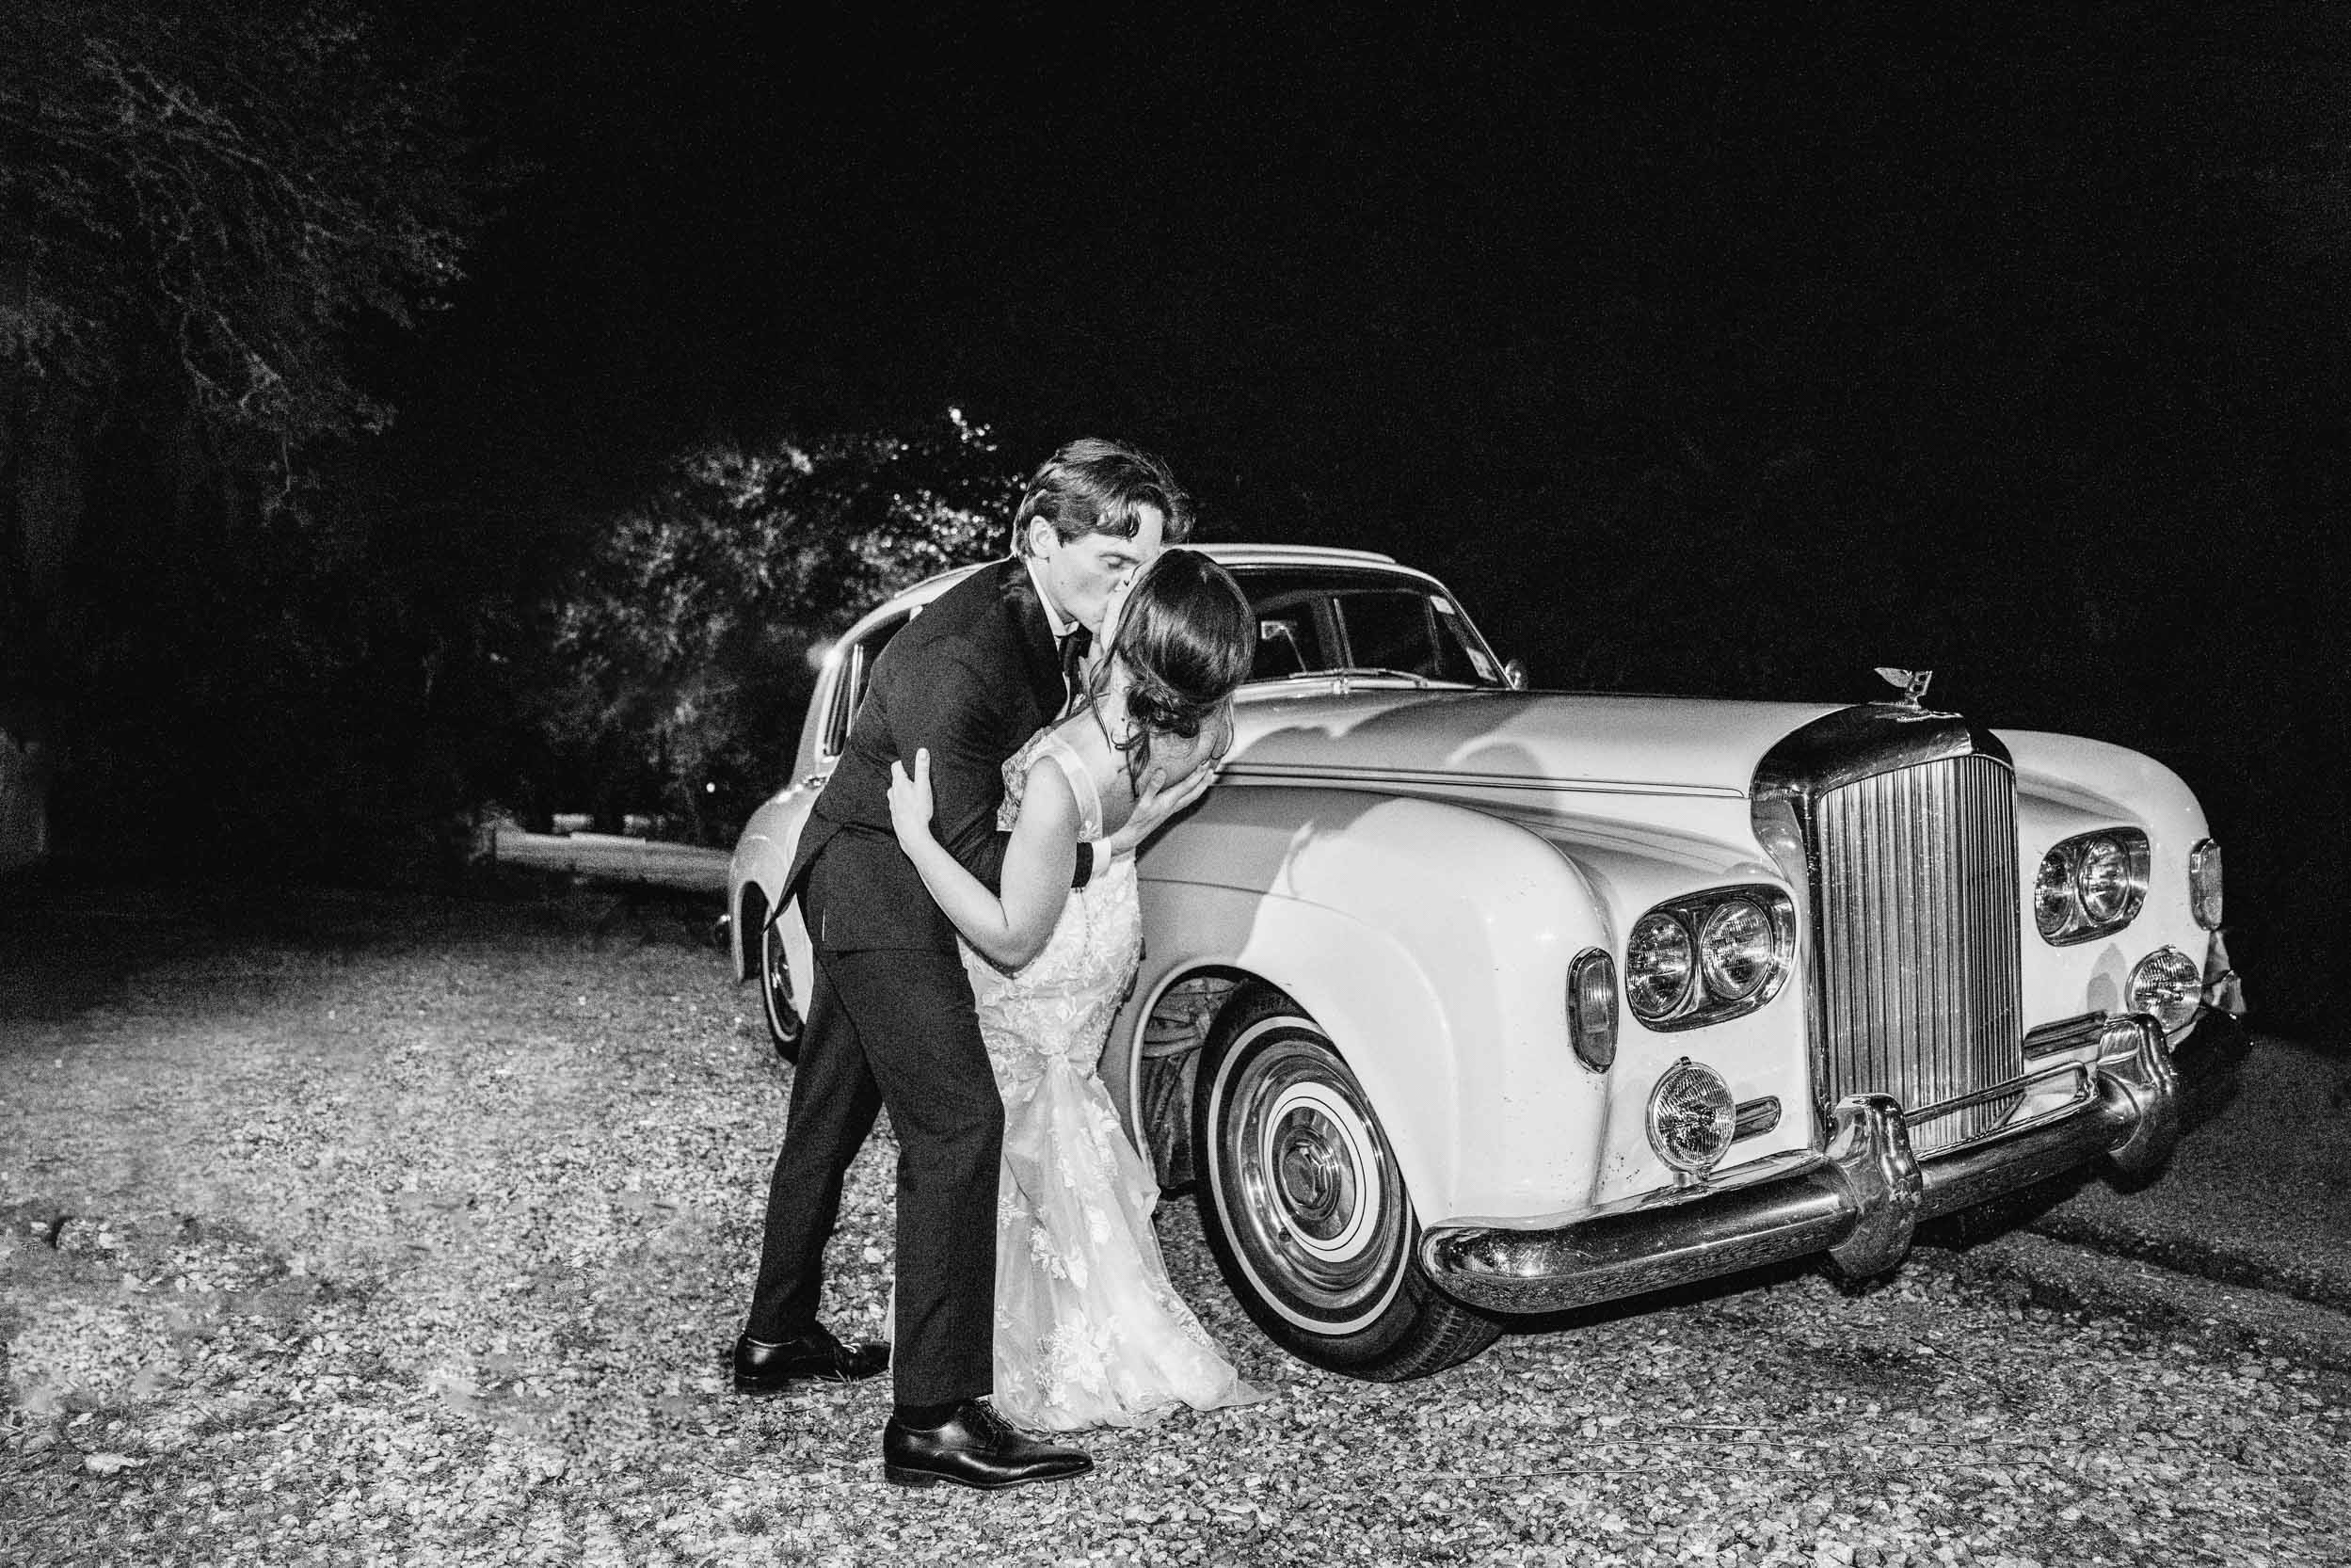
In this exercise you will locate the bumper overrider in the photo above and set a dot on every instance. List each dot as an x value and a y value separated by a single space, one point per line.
1858 1200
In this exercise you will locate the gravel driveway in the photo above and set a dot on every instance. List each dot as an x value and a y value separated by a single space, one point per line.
346 1231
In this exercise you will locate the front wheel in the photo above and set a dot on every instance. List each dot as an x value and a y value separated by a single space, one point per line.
1305 1208
784 1024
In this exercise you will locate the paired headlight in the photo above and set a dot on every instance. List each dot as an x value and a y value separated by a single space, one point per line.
1736 947
1658 965
1709 956
2090 886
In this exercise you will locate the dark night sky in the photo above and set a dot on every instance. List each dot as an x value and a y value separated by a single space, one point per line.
1734 352
1445 281
1376 264
1193 234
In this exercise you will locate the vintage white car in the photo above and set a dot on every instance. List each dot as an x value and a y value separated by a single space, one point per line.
1464 1002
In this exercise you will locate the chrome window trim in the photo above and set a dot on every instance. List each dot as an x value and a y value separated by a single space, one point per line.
854 666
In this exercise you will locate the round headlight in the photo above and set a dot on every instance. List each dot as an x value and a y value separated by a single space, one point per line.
1735 949
2053 895
2101 874
1657 964
1691 1118
2205 884
2169 983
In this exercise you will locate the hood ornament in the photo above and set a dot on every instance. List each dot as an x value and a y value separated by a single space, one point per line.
1910 683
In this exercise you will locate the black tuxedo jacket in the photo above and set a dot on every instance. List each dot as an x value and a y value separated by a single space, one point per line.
971 678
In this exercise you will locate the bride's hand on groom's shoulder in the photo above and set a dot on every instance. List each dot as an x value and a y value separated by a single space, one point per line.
910 798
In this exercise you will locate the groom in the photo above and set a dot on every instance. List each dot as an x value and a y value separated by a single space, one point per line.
890 1014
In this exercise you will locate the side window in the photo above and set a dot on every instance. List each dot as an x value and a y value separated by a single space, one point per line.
857 669
1315 619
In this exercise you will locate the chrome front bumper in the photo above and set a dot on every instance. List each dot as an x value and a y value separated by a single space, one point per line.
1858 1200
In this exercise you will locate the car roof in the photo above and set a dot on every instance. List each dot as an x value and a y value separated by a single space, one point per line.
1224 554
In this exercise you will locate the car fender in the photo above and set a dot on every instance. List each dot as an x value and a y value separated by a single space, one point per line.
2065 785
1430 941
761 860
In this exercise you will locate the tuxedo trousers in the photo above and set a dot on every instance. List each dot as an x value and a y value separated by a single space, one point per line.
890 1026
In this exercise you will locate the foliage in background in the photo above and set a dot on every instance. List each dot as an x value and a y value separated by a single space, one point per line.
203 203
685 643
208 217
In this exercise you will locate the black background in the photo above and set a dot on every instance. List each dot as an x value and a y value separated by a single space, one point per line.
1725 351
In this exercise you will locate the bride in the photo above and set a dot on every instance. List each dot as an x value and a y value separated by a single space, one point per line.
1088 1330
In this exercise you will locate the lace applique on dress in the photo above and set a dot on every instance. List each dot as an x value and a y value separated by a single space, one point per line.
1089 1331
1047 743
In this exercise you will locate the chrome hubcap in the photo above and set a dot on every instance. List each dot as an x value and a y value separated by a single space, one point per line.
1318 1183
1314 1196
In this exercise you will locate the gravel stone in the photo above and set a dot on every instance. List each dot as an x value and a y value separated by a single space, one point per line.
367 1232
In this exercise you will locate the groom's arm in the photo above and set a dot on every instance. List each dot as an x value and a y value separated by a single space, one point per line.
970 726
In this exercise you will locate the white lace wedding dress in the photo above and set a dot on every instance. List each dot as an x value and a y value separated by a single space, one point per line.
1088 1330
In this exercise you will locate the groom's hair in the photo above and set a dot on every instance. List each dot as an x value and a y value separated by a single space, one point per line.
1097 487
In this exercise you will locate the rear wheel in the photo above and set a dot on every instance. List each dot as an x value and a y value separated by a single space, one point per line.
784 1024
1306 1209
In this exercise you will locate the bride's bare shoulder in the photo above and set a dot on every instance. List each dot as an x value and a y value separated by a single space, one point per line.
1048 799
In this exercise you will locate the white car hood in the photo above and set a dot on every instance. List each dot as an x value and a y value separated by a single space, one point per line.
1578 741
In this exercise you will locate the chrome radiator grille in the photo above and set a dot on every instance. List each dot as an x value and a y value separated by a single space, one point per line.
1917 918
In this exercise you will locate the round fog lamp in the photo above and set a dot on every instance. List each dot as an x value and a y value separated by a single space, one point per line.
1658 967
2169 983
1691 1117
1734 949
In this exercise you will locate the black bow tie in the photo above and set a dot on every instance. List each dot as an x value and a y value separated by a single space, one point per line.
1074 646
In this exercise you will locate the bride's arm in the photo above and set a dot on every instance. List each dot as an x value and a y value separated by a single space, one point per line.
1038 860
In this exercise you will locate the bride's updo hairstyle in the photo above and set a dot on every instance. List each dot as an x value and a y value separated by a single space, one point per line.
1186 637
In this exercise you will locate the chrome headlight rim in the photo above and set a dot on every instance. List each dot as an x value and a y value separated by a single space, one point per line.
2065 860
1703 1001
2101 878
1714 968
2056 907
1655 996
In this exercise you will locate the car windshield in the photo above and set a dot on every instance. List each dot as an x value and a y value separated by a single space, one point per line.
1314 619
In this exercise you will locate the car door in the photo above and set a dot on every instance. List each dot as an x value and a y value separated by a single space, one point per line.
785 967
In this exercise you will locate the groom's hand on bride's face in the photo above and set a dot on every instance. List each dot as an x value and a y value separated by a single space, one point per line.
1158 801
910 797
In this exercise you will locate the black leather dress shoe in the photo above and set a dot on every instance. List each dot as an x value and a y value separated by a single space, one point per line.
761 1369
978 1449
